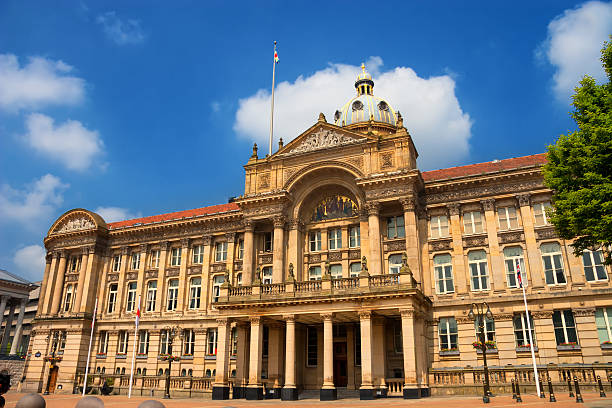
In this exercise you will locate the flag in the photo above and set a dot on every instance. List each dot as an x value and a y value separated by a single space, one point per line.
275 56
137 316
519 279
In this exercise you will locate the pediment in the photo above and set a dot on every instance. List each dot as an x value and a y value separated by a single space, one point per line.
76 221
322 136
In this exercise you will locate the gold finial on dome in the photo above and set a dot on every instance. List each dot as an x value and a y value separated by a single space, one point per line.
363 67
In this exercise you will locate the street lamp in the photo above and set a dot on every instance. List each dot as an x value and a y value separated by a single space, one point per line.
51 357
479 316
170 332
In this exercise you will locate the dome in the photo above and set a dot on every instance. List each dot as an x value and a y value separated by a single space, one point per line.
365 105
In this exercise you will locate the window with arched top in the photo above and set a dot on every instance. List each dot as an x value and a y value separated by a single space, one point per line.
160 372
395 263
443 269
183 372
553 263
334 207
190 372
207 374
138 371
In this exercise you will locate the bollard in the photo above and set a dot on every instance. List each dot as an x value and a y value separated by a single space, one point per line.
513 390
518 392
577 387
90 402
542 395
151 404
551 393
602 394
569 386
31 401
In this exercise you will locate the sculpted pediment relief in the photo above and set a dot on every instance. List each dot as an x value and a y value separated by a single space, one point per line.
322 139
77 223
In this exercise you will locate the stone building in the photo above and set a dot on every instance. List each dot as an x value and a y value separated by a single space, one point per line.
341 266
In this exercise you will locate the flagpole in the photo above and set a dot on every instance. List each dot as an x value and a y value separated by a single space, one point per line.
533 358
272 108
134 348
93 322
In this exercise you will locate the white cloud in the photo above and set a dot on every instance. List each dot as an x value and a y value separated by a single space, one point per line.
69 143
573 45
30 261
113 214
431 111
215 106
35 204
38 83
122 32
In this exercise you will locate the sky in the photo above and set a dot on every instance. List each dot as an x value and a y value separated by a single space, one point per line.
143 107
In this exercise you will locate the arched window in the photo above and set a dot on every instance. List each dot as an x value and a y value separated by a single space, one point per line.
477 262
97 369
173 285
355 269
214 373
118 370
207 372
195 292
138 371
314 273
160 372
233 373
144 371
190 372
166 371
103 370
123 371
395 263
553 263
443 269
183 372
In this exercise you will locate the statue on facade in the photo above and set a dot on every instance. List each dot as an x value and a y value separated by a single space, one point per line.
291 275
364 264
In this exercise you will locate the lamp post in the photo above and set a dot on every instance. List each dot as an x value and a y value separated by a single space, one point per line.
479 317
170 332
51 357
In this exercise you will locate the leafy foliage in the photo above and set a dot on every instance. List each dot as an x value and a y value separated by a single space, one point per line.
579 168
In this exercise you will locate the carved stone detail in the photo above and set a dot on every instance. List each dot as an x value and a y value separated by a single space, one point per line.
185 242
441 245
475 241
264 180
278 221
547 233
373 207
164 245
230 236
407 312
524 199
172 272
386 160
365 314
408 203
322 139
454 208
206 240
194 270
131 276
217 267
461 193
73 277
238 265
315 258
151 274
327 316
356 161
143 248
335 256
296 224
488 204
75 224
508 237
396 245
354 254
389 191
265 259
586 312
113 277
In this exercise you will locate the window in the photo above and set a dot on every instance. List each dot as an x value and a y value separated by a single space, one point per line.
512 255
594 269
61 345
239 279
335 271
265 341
195 292
74 264
131 297
355 237
68 298
122 342
539 214
603 320
103 346
355 269
395 263
489 329
221 251
175 258
116 263
395 227
507 218
217 282
135 261
521 333
197 254
267 241
444 273
439 226
357 335
234 340
143 342
477 262
397 339
172 294
472 222
334 237
314 273
553 264
565 328
447 330
311 346
315 241
211 343
241 249
266 275
112 297
151 295
164 343
154 259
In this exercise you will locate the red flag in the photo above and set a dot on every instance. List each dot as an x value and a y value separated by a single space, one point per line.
519 279
137 316
276 56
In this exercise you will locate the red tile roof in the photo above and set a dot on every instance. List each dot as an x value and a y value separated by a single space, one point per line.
482 168
213 209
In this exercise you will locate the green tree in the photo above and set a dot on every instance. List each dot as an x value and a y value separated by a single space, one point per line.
579 168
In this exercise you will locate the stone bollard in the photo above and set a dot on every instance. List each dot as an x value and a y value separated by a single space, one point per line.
602 394
542 395
513 390
577 387
518 391
551 393
151 404
31 401
569 386
90 402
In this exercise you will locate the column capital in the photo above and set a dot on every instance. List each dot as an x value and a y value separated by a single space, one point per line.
255 320
206 240
142 248
125 250
523 199
278 221
249 225
363 215
61 253
454 208
296 224
365 314
488 204
289 318
230 236
408 203
373 208
327 316
85 250
406 313
164 245
185 242
222 321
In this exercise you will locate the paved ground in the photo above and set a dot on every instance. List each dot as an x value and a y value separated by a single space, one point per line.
69 401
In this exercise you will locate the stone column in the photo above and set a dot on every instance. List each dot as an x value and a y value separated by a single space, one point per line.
461 280
365 234
3 300
366 391
231 249
498 269
413 254
254 390
43 287
220 390
59 284
141 289
374 263
181 303
411 387
125 261
164 246
279 250
275 359
379 356
247 256
242 365
47 297
533 252
76 306
289 391
295 249
206 280
328 391
7 329
18 327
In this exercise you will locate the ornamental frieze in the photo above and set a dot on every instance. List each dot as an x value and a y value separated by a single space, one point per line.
509 237
63 242
265 259
397 245
388 191
194 270
73 277
354 254
586 312
113 277
477 241
335 256
464 193
324 138
440 245
78 223
131 275
217 267
314 258
356 161
172 272
151 274
546 233
386 160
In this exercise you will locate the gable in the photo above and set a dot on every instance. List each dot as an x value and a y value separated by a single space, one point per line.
76 220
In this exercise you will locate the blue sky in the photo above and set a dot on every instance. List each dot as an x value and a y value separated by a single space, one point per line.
139 108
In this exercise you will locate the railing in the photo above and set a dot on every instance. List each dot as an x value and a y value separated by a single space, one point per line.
384 280
308 286
345 283
241 291
395 386
273 288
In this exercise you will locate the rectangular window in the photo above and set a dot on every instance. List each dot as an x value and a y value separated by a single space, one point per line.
335 271
512 255
594 269
151 295
479 277
443 270
508 218
122 342
553 263
395 227
112 297
447 331
355 269
355 236
488 328
116 263
211 342
357 335
198 254
314 273
439 226
68 298
266 273
143 342
189 342
265 341
315 241
521 330
334 237
195 293
241 249
154 259
131 297
311 346
565 328
74 264
603 320
217 282
173 285
234 339
103 346
221 252
267 241
472 222
135 261
164 344
539 214
395 263
175 258
398 347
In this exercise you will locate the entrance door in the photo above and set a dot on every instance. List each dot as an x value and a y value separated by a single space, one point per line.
340 365
53 378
